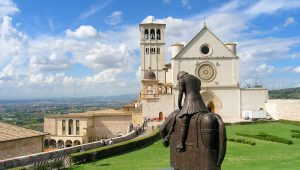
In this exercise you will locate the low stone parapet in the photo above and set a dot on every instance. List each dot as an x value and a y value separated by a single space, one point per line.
44 156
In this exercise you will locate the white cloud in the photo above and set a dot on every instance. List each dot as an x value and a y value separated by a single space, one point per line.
94 9
289 21
149 19
12 43
84 31
8 7
42 65
106 76
271 6
297 69
105 56
186 4
49 63
114 19
265 69
138 73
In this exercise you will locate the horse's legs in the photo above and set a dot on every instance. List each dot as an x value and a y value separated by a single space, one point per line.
185 121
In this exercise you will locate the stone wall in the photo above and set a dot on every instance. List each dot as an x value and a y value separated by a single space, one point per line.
288 109
253 98
111 126
152 107
50 125
21 147
40 157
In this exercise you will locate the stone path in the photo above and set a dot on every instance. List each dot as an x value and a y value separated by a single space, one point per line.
149 128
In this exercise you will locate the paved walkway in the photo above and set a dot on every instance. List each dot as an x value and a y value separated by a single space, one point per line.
149 128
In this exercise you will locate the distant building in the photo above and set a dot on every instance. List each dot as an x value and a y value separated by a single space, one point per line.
17 141
215 63
78 128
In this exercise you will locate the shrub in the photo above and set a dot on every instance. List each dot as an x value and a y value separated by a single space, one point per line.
243 141
102 152
296 135
296 131
290 122
267 137
57 164
48 165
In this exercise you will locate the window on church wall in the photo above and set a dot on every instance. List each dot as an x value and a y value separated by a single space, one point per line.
158 50
77 127
146 35
147 50
63 124
152 50
152 34
205 49
70 127
149 89
158 34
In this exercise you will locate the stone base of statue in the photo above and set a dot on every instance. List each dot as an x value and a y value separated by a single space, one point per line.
205 144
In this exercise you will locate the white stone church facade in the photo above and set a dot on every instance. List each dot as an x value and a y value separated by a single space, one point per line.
215 63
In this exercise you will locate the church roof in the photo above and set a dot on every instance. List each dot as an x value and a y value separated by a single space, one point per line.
105 112
108 112
10 132
205 28
149 75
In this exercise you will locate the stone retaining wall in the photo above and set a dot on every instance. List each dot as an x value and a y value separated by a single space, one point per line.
44 156
288 109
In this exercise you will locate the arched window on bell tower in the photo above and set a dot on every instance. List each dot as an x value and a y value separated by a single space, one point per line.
152 34
158 34
146 34
149 89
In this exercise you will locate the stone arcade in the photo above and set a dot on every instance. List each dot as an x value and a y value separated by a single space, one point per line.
215 63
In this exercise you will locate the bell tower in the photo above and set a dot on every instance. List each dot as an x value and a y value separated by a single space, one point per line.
152 44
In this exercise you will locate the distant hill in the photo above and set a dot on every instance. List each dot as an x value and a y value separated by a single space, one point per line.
123 99
290 93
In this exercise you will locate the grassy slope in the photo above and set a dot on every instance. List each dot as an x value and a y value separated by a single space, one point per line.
264 155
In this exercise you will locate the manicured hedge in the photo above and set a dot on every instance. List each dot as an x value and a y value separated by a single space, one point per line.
297 135
243 141
251 122
267 137
290 122
102 152
295 131
48 166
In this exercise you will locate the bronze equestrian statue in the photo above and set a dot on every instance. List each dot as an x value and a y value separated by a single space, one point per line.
197 137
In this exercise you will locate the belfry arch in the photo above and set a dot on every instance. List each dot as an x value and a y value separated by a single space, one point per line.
212 101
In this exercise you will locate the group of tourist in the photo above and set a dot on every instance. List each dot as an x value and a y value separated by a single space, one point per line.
106 142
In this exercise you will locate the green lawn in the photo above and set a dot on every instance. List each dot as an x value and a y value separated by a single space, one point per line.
263 156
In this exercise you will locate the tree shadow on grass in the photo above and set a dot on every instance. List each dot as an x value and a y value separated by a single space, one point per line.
131 150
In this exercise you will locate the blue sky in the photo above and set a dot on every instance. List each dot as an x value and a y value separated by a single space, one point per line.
79 48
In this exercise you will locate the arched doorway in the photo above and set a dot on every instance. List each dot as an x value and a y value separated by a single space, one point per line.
68 143
46 143
160 116
52 143
60 144
76 142
211 107
212 101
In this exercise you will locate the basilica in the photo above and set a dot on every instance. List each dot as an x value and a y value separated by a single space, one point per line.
214 62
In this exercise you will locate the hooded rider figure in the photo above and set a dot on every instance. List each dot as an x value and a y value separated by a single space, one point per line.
193 103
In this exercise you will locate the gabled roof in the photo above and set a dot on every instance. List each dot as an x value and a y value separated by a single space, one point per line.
105 112
205 28
10 132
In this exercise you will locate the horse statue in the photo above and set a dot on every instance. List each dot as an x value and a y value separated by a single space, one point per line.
205 144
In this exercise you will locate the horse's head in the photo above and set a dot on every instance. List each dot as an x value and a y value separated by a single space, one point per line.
167 127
